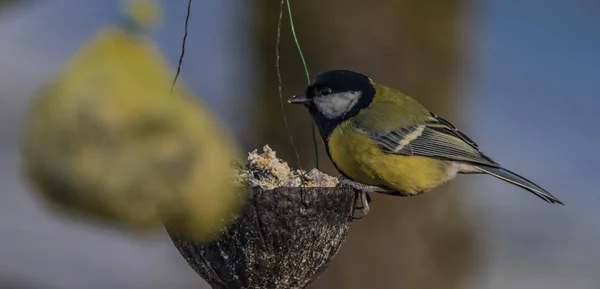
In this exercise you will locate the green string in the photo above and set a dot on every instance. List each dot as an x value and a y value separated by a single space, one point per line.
314 135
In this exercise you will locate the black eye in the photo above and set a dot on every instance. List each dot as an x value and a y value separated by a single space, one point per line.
325 91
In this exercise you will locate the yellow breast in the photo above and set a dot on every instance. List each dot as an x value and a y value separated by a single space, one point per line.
361 159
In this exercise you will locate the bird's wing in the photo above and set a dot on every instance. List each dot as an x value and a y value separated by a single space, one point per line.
434 137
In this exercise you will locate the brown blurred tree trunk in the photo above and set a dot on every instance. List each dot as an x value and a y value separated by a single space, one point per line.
415 46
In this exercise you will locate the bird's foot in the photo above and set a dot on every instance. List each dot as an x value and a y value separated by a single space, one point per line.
364 208
363 194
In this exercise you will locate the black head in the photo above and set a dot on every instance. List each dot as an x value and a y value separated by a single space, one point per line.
335 96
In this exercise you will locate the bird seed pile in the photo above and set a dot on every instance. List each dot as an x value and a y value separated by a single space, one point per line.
267 171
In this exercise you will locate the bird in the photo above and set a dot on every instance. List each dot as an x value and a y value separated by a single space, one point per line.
383 141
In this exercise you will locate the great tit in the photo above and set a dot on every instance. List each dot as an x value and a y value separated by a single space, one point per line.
381 140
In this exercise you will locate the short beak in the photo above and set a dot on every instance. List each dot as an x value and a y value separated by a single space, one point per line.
300 98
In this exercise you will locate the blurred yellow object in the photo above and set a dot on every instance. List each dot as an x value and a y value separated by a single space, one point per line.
145 13
108 140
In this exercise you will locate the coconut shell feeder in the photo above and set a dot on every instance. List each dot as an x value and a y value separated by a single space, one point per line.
287 234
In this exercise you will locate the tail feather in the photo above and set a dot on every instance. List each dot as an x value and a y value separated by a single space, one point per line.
520 181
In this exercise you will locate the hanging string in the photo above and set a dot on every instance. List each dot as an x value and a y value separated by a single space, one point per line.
280 83
183 42
277 52
314 135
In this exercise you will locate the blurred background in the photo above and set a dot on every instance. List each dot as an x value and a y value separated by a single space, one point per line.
519 77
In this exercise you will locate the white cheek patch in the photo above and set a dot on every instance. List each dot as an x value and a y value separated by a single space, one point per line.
337 104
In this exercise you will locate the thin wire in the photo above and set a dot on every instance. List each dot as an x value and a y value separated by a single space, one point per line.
314 135
296 40
280 83
185 34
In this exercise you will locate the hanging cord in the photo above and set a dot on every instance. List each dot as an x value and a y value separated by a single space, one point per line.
280 84
314 135
277 52
183 42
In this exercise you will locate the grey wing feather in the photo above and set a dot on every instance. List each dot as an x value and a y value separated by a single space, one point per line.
437 138
443 124
392 141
